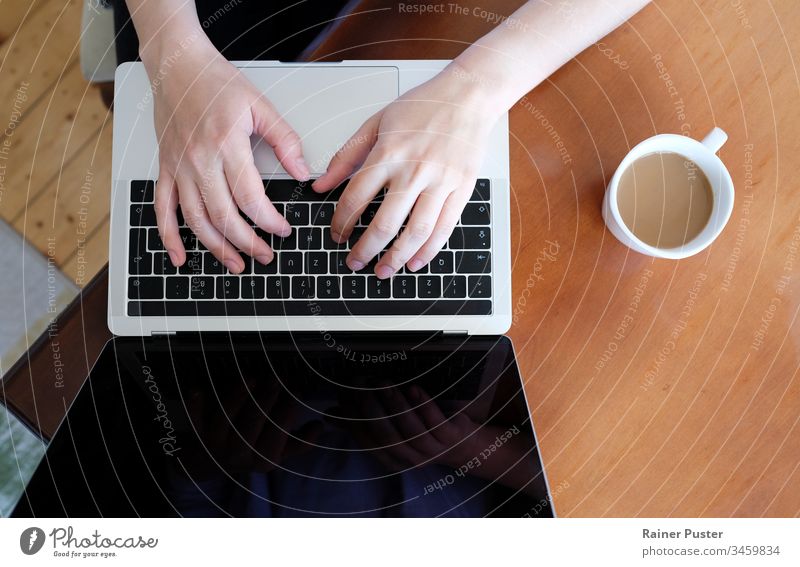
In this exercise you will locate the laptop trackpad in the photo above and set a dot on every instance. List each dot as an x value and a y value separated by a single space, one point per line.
325 106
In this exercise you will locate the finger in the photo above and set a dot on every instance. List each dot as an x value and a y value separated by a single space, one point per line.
357 195
194 213
384 227
350 156
166 203
435 421
419 229
448 218
410 425
225 217
284 140
248 192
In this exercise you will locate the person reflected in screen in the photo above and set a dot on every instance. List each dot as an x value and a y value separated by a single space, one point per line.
426 147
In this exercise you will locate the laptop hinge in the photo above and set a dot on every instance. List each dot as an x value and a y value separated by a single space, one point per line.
158 333
450 333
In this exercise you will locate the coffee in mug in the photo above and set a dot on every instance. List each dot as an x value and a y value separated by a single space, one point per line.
671 196
665 199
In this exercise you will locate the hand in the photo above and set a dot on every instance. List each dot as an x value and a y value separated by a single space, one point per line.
205 112
426 148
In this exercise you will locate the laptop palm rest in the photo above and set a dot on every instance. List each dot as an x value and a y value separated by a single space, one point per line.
333 102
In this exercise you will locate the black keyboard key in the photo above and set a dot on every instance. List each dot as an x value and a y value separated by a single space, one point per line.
476 214
338 264
252 287
138 240
154 240
140 264
471 238
473 262
378 289
162 265
177 288
271 268
302 287
202 287
404 287
263 235
355 235
429 287
328 287
316 262
188 238
369 213
336 307
193 264
297 213
480 286
143 214
321 214
291 190
228 287
248 264
442 263
212 265
309 238
482 191
291 262
142 191
353 287
454 286
328 243
278 287
146 288
288 243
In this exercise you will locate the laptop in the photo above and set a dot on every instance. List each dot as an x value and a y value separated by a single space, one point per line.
285 425
299 388
466 289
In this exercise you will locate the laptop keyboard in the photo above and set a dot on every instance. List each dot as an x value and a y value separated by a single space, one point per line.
308 275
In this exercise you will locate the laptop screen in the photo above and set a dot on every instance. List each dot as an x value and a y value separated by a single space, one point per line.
295 425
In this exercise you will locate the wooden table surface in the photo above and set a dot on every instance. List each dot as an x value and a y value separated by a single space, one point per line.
658 388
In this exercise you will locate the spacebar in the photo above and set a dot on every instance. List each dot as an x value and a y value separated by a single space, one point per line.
309 307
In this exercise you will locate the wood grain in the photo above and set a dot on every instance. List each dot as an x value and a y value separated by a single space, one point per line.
658 388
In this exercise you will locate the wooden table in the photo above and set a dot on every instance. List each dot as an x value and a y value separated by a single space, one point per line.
657 387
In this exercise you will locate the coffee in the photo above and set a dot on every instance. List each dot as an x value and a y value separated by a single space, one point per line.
665 199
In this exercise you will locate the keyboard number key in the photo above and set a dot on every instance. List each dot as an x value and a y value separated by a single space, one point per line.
480 286
404 287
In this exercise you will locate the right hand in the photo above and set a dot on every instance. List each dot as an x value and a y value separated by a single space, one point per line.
205 112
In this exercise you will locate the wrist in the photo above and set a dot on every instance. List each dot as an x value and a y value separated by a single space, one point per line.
477 90
165 48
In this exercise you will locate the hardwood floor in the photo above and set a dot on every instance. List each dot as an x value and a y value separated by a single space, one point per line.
55 137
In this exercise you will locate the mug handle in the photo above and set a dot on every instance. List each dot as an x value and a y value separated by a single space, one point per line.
715 139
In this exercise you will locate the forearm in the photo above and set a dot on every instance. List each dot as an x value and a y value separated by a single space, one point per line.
165 29
534 42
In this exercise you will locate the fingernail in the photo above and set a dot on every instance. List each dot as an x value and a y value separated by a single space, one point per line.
285 231
384 271
336 236
414 265
264 258
355 265
232 265
301 164
173 256
314 184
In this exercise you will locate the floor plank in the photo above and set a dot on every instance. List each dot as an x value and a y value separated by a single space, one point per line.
76 201
61 125
13 13
43 47
89 256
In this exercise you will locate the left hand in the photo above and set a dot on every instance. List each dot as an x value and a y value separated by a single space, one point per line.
426 148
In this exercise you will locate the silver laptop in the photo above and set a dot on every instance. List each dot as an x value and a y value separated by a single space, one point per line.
466 289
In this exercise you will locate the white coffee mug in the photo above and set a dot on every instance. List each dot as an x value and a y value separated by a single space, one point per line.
701 153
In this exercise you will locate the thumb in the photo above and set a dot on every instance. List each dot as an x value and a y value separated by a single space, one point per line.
284 141
350 156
